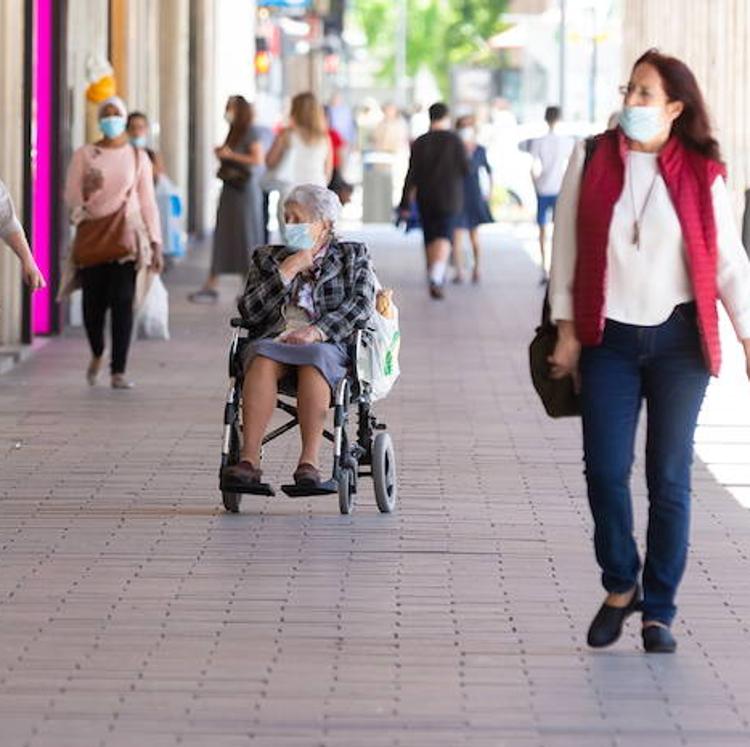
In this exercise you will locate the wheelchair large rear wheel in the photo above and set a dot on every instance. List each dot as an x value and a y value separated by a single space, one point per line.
384 473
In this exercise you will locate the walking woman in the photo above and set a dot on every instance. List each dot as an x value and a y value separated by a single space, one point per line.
645 242
239 217
477 189
104 178
302 152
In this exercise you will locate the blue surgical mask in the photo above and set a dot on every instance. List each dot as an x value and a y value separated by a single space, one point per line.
140 142
299 236
112 127
641 123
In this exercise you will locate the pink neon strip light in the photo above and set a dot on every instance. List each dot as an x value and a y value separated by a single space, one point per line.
41 138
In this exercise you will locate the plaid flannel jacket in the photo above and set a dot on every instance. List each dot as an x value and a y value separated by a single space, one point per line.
344 292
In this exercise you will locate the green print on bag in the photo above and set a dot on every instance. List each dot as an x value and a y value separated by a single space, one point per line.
390 355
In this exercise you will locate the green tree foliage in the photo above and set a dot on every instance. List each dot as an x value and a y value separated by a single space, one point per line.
440 33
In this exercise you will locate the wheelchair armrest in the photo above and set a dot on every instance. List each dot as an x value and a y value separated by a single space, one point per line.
238 321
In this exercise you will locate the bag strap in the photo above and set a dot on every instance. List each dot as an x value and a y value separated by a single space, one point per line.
137 174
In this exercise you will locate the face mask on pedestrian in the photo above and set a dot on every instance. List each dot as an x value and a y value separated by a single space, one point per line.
641 123
229 116
466 134
299 236
140 141
112 127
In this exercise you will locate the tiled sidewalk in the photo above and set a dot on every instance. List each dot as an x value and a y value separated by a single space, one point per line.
134 611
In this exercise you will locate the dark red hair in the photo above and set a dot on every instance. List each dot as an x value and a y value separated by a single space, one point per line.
693 126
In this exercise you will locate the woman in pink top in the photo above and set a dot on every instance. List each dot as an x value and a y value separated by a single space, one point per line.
102 176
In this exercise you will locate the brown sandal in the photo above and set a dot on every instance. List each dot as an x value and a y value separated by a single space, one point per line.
307 474
244 473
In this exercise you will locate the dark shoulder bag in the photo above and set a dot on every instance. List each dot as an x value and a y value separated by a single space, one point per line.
107 239
558 395
233 174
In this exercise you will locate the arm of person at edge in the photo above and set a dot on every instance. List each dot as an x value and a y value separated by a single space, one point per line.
564 359
733 267
12 232
150 211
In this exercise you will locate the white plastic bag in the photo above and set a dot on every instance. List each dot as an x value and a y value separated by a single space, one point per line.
377 363
153 319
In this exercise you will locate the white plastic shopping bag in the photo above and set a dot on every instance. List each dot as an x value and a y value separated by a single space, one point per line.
153 319
378 357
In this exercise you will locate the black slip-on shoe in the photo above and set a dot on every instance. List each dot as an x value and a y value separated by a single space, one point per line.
658 640
606 627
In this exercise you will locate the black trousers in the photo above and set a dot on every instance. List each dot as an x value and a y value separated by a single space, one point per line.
110 286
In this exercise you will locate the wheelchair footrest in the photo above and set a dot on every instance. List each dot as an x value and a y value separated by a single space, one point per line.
259 488
329 487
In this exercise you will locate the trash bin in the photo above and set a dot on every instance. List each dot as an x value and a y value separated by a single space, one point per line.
377 187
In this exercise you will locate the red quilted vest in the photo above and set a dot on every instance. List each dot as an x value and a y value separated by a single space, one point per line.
688 176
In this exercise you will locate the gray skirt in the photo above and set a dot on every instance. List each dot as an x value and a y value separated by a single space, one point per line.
330 358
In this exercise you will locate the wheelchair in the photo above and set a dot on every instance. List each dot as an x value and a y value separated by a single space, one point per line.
369 454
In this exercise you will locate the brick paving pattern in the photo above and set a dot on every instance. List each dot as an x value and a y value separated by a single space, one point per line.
134 611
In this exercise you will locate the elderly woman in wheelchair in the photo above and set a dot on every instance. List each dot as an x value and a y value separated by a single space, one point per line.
302 305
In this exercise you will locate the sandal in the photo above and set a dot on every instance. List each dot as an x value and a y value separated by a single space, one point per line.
307 475
243 473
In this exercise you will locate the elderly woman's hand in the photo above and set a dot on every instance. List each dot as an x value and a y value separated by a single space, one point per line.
303 336
295 263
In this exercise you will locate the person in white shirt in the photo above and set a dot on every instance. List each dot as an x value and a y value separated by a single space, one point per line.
550 153
645 241
12 233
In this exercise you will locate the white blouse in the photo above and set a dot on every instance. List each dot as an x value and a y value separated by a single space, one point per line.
645 284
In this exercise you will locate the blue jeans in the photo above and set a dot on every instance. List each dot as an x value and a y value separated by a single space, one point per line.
664 366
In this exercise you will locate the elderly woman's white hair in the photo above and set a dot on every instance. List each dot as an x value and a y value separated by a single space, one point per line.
115 101
319 201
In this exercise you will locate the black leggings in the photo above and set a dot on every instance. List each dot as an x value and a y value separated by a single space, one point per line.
110 286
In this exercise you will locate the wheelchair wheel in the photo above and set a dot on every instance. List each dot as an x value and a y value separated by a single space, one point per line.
384 473
231 500
346 493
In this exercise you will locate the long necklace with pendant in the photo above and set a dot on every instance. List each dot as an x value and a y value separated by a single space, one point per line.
638 218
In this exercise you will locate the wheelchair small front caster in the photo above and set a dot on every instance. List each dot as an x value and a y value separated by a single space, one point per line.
231 501
346 490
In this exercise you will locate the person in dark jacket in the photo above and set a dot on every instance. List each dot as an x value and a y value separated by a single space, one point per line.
437 167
